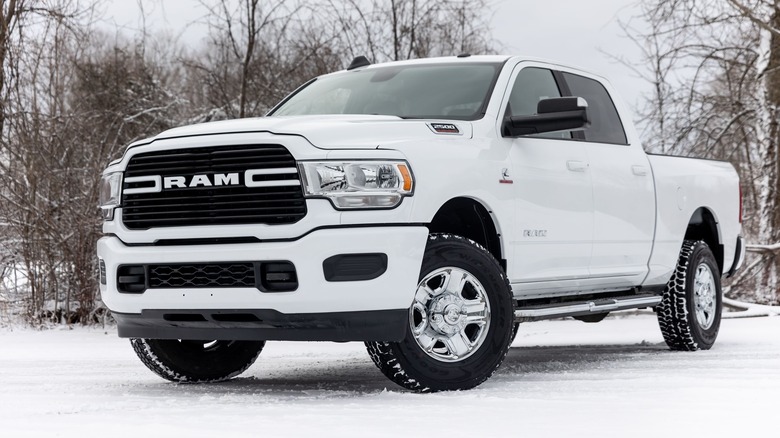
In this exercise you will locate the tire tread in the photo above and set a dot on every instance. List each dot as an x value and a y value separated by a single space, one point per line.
386 358
144 350
673 315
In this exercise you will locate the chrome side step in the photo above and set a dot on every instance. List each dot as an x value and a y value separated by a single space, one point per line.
590 307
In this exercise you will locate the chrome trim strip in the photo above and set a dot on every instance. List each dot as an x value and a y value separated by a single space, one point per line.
156 179
586 307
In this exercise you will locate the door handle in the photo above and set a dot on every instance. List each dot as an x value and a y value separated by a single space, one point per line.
577 166
639 170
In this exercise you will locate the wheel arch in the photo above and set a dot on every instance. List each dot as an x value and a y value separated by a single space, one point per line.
703 225
471 218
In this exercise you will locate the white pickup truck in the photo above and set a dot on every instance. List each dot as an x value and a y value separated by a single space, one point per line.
424 207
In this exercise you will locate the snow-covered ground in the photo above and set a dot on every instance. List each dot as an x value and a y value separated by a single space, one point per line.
560 379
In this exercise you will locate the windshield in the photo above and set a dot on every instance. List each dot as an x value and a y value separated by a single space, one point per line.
432 91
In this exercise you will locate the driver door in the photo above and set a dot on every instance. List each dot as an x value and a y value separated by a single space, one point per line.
553 196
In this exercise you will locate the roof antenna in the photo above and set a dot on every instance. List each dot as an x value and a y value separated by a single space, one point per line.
359 61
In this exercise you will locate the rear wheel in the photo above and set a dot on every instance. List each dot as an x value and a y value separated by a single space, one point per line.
460 323
196 361
690 311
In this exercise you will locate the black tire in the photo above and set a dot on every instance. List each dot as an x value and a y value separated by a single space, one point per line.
408 365
677 312
197 361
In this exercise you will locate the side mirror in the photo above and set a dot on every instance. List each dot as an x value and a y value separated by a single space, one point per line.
557 114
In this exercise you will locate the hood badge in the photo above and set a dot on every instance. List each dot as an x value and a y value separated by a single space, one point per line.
444 128
505 179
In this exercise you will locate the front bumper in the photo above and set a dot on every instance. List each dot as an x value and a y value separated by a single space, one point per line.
264 325
350 310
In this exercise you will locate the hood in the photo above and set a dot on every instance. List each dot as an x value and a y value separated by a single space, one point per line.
330 131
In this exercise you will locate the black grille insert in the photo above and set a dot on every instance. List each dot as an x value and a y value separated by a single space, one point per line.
202 275
215 188
270 276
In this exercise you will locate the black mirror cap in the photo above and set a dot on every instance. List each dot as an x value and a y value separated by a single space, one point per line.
359 61
556 114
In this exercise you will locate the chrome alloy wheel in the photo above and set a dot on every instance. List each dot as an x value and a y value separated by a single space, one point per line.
450 315
704 296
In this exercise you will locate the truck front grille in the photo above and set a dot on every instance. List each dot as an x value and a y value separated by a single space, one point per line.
224 185
266 276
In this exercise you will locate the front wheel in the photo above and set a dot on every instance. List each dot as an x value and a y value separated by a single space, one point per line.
196 361
689 313
460 323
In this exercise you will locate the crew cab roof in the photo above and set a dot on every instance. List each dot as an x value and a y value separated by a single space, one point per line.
476 59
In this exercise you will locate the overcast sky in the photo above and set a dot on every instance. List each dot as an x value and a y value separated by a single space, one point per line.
573 32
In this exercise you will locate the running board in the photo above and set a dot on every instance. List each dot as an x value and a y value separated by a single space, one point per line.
581 308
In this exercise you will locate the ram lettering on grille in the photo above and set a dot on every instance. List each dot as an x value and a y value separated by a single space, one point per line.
247 184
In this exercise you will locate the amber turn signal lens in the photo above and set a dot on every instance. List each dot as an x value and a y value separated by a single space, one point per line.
407 177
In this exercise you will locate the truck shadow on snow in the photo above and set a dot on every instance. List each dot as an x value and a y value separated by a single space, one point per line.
549 362
357 376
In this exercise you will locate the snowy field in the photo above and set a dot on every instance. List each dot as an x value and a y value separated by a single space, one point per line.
560 379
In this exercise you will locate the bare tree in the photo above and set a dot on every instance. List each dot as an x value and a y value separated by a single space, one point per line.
26 108
716 93
257 52
73 96
73 102
392 30
9 21
246 55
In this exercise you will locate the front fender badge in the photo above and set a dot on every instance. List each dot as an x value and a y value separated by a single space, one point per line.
444 128
505 177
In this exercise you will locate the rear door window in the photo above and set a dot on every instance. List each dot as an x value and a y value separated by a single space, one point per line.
606 126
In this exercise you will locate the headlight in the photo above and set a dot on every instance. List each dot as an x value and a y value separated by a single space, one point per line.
358 184
110 194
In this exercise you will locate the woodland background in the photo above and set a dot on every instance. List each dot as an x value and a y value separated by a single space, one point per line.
73 94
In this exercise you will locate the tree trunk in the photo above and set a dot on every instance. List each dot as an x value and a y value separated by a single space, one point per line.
251 33
7 16
769 227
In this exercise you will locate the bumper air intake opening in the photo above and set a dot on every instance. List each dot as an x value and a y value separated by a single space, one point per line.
131 279
278 277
